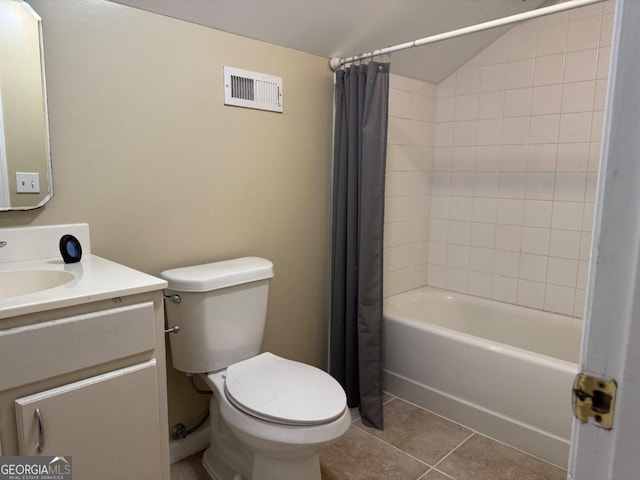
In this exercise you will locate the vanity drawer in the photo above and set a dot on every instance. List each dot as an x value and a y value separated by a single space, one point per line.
43 350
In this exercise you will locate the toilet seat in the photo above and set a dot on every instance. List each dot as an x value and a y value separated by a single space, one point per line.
282 391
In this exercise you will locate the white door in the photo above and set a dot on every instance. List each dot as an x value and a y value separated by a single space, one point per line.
611 342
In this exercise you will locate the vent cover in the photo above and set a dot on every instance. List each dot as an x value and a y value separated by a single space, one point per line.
244 88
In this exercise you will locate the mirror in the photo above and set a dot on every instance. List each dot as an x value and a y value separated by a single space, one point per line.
25 161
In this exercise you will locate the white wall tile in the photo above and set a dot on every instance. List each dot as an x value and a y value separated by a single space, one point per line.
491 105
510 212
483 234
583 34
581 66
481 259
488 158
513 171
461 208
551 39
504 289
513 158
479 284
517 103
485 210
540 186
544 129
530 294
559 299
573 157
546 100
537 213
575 127
586 12
578 96
445 109
439 206
562 271
496 52
535 240
462 184
583 273
515 131
508 237
466 133
493 77
466 107
468 81
533 267
459 233
506 263
564 244
579 304
512 185
519 74
464 159
567 215
489 131
541 157
437 275
570 187
458 256
606 30
549 70
521 42
457 279
437 253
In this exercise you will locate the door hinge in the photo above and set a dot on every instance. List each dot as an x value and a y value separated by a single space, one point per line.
594 397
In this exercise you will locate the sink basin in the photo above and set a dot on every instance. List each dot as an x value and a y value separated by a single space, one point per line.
22 282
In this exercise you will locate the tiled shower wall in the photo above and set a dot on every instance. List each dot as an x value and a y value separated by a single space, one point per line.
513 169
408 183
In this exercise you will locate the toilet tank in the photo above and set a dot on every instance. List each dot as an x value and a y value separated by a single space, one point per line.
221 314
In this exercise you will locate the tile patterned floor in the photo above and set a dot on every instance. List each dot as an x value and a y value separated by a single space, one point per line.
415 445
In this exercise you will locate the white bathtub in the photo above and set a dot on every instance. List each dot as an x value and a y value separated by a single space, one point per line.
503 370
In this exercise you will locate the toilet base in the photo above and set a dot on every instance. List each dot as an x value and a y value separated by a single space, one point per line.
265 468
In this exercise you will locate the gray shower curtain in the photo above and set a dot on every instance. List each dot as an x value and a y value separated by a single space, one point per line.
359 158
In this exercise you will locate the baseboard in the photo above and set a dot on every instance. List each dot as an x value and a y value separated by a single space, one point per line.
194 443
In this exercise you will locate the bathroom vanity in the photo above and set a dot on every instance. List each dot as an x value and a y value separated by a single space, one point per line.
82 362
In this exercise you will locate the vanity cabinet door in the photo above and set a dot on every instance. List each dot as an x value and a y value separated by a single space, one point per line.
108 424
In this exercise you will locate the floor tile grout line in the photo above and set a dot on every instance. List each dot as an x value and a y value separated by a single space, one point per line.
395 448
479 433
454 449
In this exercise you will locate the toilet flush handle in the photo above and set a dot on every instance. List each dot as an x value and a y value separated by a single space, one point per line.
175 329
174 298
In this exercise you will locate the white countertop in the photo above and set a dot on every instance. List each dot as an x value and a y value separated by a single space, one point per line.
95 279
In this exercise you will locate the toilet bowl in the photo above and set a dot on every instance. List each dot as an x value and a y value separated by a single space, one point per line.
284 446
269 416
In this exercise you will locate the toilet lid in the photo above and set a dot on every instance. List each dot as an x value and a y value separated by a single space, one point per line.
283 391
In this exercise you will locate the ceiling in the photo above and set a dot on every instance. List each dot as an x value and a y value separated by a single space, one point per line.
339 28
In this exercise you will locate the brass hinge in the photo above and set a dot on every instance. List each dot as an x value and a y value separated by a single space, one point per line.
594 397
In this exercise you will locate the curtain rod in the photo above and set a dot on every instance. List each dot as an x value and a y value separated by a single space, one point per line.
337 62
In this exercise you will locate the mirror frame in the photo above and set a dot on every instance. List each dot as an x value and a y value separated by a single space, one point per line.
49 166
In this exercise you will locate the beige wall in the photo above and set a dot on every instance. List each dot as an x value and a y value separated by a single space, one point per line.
145 151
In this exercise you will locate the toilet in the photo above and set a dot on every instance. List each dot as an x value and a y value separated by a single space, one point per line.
269 416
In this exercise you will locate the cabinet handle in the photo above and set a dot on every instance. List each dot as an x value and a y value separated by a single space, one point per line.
40 431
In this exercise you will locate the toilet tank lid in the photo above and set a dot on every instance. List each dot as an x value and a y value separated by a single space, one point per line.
216 275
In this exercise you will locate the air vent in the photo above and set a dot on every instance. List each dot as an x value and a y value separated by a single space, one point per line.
244 88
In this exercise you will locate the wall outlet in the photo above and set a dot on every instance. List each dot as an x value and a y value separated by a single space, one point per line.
27 182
